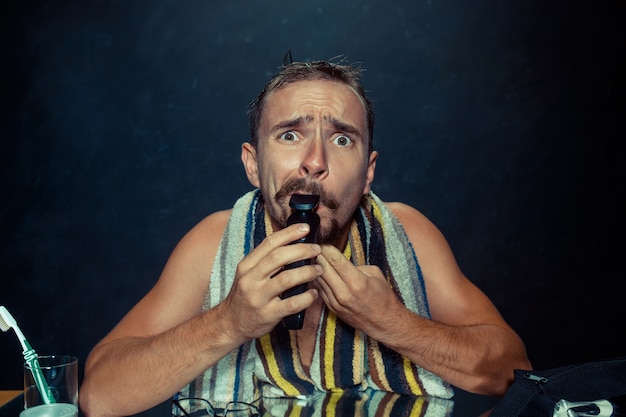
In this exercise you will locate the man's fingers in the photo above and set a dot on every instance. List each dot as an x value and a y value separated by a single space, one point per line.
331 283
336 260
275 252
293 277
372 271
329 273
275 240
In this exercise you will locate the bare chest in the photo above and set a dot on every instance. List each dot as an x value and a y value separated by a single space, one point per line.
306 337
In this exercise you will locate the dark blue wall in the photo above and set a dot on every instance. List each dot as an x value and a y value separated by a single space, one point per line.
503 121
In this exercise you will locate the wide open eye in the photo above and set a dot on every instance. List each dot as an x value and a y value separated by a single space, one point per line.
342 140
289 136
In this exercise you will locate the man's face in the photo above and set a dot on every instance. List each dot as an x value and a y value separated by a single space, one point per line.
313 140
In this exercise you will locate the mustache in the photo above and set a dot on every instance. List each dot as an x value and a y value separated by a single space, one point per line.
306 187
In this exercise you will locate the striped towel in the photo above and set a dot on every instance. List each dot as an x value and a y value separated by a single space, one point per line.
344 358
368 403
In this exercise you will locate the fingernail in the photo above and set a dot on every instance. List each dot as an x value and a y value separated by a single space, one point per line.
303 227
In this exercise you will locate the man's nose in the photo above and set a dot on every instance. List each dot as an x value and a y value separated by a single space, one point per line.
315 163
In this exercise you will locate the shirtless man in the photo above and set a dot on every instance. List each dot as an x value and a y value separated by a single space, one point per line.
311 132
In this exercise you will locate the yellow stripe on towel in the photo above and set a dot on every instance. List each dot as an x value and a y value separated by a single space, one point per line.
329 349
418 407
331 407
273 368
378 215
410 377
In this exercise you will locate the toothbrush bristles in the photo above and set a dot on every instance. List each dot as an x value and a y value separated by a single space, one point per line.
3 324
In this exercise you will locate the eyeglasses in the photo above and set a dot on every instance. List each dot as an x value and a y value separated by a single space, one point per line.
196 407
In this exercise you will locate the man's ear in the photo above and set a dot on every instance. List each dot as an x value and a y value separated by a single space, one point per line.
369 176
248 157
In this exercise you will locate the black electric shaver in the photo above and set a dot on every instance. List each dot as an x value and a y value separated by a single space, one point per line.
303 206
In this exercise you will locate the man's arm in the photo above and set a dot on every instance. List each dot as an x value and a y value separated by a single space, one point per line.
150 354
467 342
165 341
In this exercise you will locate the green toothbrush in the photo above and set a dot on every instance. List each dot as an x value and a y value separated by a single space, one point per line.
6 322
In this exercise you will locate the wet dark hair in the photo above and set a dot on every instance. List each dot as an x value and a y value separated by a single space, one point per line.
347 74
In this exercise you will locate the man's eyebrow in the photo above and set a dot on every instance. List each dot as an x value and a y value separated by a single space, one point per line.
345 127
291 123
298 121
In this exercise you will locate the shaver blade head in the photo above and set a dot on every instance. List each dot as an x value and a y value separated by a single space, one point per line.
304 201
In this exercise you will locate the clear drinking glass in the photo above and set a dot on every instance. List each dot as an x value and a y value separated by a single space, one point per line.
60 373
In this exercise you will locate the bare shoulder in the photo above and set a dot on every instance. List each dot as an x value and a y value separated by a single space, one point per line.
417 226
195 252
209 230
402 210
431 247
199 244
179 292
453 299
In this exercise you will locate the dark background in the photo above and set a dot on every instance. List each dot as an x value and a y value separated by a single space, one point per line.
502 121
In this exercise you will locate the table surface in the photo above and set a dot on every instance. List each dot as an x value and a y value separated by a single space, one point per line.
8 395
467 405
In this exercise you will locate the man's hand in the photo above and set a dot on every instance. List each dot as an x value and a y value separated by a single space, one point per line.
360 296
254 306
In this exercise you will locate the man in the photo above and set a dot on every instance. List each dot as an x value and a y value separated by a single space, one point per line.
387 306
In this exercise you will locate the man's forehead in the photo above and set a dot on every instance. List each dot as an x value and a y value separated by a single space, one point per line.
285 101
